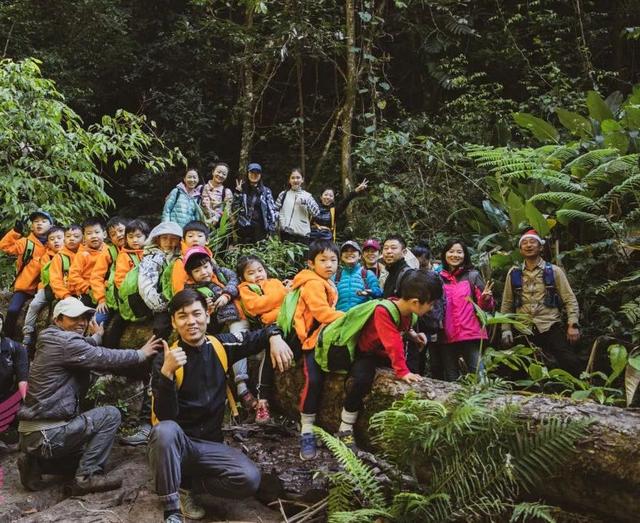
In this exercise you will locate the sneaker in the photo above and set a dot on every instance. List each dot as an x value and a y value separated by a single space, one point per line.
347 437
263 416
174 518
307 446
140 437
94 483
189 507
248 401
30 474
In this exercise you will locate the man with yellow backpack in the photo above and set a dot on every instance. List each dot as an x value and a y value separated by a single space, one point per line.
189 383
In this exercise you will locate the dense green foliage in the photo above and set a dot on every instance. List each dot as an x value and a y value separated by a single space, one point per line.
466 460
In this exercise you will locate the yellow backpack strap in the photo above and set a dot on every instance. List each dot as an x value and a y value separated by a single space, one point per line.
332 213
178 377
224 361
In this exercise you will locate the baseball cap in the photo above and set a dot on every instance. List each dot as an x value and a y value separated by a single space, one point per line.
193 254
41 213
254 167
351 243
371 244
71 307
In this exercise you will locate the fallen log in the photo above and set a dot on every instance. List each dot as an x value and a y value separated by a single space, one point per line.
602 478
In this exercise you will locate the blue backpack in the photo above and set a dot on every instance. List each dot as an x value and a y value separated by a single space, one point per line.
551 297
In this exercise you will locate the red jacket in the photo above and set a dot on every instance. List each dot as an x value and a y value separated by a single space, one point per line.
382 337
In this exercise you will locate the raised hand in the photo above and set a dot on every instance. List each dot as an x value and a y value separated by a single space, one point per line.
488 288
96 328
363 185
239 184
152 346
173 360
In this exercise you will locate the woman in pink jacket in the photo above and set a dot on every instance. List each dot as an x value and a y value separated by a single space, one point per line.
463 334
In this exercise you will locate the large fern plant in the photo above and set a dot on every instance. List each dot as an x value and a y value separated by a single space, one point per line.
470 459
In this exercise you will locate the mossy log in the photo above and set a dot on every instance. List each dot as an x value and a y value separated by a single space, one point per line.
602 478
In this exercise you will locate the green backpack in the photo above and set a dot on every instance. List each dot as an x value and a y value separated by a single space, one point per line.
165 279
45 275
111 293
130 304
254 321
337 341
287 311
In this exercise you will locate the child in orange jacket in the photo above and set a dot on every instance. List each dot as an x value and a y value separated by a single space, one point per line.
58 276
55 242
29 251
106 263
316 307
84 261
194 234
260 299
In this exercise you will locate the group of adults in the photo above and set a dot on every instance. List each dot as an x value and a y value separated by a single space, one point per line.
294 214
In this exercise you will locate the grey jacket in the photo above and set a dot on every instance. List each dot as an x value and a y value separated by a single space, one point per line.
59 374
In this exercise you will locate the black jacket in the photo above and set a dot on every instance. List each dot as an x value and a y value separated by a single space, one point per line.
198 405
244 203
391 284
14 366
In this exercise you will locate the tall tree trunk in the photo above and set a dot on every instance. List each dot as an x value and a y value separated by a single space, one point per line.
300 107
248 94
350 89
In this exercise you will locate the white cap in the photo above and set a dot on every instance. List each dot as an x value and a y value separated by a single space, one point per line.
71 307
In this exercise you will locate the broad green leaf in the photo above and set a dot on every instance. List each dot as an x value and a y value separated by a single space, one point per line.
536 219
618 359
576 123
543 131
598 110
632 376
515 207
617 140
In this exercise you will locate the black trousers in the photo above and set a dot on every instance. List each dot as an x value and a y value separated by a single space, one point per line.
555 346
360 380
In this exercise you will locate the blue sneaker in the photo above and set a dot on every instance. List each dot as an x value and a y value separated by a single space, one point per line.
307 446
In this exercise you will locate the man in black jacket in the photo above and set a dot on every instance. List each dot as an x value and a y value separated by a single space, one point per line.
186 447
394 249
55 437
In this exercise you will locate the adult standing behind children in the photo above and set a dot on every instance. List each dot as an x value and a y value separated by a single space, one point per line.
55 436
394 250
186 448
256 211
296 209
28 250
325 223
216 198
354 282
541 290
463 286
183 203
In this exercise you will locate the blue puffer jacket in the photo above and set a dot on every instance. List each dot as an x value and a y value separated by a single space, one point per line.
349 281
180 207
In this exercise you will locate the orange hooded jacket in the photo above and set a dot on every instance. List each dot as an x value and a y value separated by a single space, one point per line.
124 263
98 279
28 276
266 306
81 268
316 306
57 277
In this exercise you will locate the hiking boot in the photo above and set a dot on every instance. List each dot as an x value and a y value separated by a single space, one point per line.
347 437
263 416
30 474
140 437
174 518
307 446
94 483
189 507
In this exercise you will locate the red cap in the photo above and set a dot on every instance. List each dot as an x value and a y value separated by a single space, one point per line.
371 244
531 233
193 251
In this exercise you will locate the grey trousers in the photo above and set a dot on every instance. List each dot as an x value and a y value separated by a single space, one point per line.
222 470
85 442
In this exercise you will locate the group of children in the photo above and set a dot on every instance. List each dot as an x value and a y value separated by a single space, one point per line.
134 276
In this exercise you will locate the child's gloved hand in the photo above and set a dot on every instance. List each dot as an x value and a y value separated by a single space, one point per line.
20 226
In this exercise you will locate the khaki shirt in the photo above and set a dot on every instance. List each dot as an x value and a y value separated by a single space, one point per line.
533 293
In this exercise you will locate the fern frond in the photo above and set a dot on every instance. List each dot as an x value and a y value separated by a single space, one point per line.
412 506
538 453
605 172
567 215
532 511
615 284
631 311
574 201
586 162
356 472
630 186
363 515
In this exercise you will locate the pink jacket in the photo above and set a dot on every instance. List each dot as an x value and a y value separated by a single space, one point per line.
460 320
